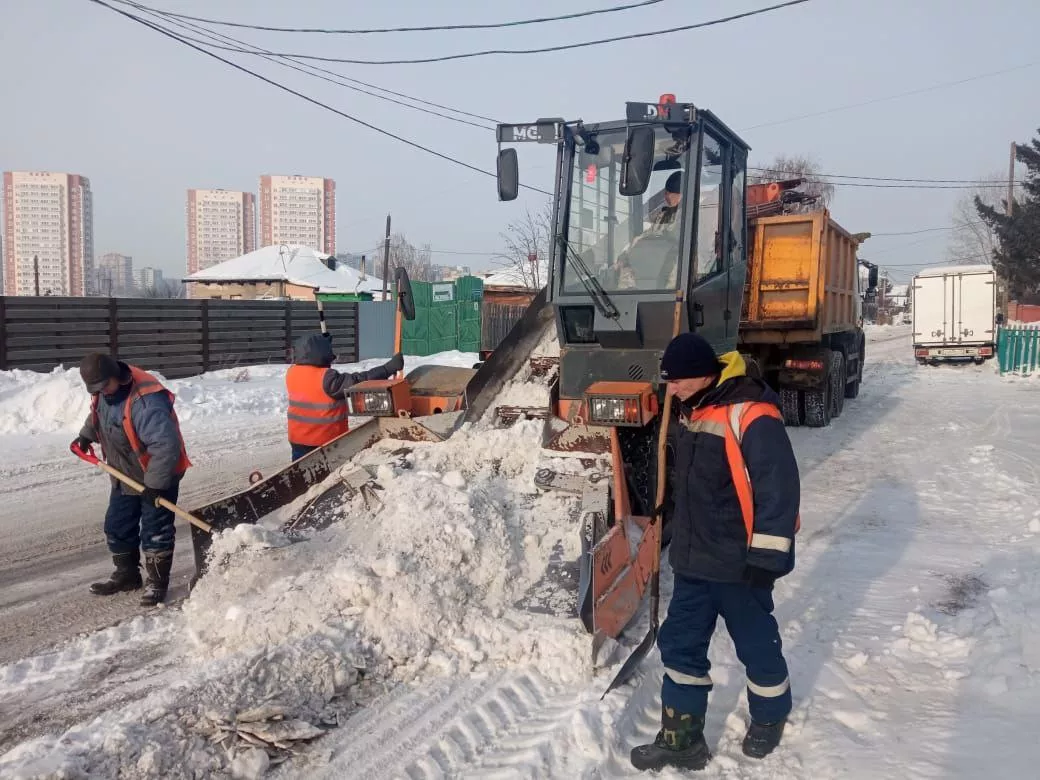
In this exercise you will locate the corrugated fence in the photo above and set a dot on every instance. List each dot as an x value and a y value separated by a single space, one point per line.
180 337
1018 349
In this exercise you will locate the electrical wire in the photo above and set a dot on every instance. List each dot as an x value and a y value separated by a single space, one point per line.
309 70
174 36
544 50
886 178
909 93
431 28
350 79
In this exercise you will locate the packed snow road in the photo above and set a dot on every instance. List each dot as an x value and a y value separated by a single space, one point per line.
392 644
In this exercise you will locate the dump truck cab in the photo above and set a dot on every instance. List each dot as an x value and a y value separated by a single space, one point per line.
643 207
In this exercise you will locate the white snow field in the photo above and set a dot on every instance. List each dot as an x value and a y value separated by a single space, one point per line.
391 645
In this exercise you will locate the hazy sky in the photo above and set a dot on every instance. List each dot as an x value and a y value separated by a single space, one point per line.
146 118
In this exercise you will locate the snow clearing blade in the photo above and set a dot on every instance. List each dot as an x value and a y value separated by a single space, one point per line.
508 357
544 366
507 415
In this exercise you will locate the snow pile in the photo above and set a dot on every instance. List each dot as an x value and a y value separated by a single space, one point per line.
33 403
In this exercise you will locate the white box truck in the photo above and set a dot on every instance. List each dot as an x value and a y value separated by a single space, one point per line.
954 313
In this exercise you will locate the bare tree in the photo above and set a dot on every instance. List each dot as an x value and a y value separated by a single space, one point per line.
794 166
526 250
164 288
404 254
973 240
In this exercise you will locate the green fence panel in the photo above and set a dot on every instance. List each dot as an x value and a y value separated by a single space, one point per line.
1018 350
470 296
443 329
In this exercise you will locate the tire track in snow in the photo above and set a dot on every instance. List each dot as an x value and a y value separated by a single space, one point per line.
498 725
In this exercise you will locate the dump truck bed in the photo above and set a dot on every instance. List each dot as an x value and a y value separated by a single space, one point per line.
802 280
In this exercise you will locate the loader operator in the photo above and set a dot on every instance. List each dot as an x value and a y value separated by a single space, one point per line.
132 418
318 393
735 516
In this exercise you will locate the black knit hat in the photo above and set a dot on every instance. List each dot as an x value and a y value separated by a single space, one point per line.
96 369
674 183
689 356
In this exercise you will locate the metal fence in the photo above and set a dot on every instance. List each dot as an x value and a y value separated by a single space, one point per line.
174 337
1018 349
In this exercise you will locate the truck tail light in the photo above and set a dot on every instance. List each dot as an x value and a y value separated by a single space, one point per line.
920 353
985 351
804 365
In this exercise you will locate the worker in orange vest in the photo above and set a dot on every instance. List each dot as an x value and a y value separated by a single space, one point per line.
736 509
318 393
132 418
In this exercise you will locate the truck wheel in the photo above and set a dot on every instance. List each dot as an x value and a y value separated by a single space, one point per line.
818 406
793 406
838 378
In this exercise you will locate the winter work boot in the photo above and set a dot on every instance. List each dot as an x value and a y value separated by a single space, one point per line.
157 566
679 744
127 575
762 738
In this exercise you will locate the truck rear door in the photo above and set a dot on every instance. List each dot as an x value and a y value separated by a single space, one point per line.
933 308
974 304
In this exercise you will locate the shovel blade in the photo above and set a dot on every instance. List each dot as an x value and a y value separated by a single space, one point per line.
632 662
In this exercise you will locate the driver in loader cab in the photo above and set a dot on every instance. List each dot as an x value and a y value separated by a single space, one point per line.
318 393
665 222
736 508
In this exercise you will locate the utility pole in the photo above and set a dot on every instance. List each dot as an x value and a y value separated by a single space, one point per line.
386 257
36 274
1011 178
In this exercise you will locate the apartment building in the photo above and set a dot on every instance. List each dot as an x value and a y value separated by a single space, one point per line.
298 210
221 226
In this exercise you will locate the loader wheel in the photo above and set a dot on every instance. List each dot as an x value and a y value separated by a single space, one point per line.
793 406
838 378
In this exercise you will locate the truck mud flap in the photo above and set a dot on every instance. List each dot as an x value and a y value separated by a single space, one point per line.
508 357
279 489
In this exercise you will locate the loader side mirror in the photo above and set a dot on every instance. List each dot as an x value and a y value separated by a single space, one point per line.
404 293
508 175
638 161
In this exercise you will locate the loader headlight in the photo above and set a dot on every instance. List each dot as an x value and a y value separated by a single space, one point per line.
376 403
614 411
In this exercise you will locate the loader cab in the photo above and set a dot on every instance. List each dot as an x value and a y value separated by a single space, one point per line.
643 207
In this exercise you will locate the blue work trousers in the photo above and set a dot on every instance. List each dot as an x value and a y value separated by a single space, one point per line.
132 524
299 450
686 634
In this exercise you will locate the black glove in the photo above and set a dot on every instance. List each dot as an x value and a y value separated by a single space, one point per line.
759 578
151 496
394 364
82 443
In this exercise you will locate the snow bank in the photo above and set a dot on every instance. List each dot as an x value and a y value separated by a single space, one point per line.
33 403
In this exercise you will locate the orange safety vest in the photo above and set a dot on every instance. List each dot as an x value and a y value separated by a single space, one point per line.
143 384
315 419
730 422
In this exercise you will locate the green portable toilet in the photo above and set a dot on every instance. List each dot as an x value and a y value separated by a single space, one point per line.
443 317
469 295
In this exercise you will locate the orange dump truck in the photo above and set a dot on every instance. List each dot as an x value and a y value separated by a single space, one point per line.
802 318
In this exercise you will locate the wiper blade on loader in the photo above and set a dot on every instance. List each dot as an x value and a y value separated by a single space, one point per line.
591 283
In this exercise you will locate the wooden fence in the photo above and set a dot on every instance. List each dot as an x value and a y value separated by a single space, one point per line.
497 319
174 337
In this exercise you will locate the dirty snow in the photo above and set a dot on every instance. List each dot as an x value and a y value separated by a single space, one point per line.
388 645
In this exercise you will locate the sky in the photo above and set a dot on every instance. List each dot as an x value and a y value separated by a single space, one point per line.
146 118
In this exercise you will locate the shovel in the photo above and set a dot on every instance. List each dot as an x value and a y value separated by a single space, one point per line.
88 456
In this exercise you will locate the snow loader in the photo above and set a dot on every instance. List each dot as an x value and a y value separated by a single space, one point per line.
638 256
427 405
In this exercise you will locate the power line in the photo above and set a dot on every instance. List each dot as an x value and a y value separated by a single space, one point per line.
889 178
372 31
314 71
175 36
544 50
928 230
873 101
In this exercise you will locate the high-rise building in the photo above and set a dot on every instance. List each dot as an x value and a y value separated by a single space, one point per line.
113 273
221 226
49 217
298 210
147 278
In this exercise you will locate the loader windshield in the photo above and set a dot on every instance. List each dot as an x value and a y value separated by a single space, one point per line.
630 244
